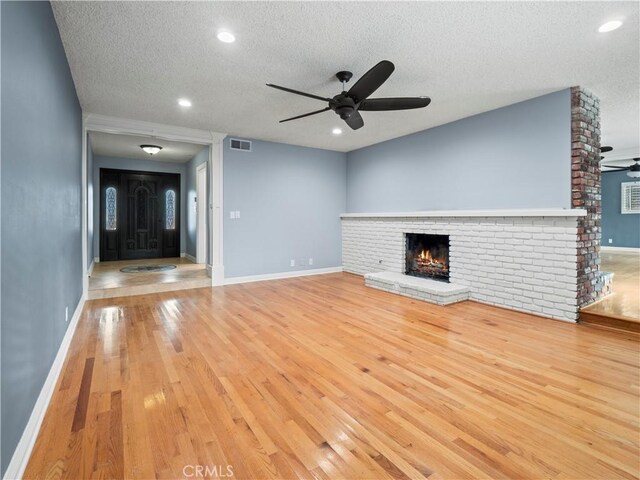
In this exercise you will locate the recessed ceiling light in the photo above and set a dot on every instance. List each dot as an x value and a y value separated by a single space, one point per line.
336 131
151 149
183 102
226 37
610 26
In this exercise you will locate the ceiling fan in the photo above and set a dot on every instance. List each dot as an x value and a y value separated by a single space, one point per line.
348 105
633 170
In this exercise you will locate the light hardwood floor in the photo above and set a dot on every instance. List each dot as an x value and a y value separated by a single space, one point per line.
321 377
624 302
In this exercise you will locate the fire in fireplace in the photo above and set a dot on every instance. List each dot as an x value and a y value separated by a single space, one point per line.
427 256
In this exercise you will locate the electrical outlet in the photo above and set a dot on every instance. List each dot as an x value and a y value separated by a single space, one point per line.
232 215
237 213
293 262
311 261
66 314
611 240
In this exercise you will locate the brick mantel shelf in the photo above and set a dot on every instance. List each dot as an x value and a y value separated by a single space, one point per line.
526 212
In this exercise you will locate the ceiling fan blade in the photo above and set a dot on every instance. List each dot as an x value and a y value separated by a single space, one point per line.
305 115
614 169
290 90
355 121
371 81
605 149
400 103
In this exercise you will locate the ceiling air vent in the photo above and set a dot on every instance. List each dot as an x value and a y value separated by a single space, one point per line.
242 145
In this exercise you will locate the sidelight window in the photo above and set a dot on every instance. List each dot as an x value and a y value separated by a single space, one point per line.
170 209
111 207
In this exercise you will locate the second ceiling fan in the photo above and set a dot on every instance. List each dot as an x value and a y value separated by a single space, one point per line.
633 170
349 104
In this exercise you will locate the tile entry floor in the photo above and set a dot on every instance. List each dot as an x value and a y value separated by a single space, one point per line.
108 281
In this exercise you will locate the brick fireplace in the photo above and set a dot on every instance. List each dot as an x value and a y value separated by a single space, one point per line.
545 262
525 260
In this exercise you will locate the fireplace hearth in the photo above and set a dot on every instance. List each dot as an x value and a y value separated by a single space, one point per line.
427 256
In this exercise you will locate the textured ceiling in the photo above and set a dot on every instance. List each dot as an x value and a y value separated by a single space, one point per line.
135 59
128 146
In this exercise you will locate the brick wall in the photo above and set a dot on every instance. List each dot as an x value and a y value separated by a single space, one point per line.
585 192
522 263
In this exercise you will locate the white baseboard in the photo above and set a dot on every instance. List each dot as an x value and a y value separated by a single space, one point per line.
620 249
90 271
23 450
281 275
190 257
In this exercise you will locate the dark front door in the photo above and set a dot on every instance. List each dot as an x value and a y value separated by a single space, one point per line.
139 215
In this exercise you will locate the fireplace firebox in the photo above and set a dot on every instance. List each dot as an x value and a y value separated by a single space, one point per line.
427 256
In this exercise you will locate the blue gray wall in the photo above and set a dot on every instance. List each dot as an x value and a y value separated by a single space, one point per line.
513 157
41 207
140 165
623 230
191 190
290 199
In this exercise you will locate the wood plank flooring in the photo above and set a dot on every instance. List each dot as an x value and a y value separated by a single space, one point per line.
624 302
320 377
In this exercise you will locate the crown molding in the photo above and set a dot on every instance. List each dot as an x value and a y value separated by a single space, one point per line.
125 126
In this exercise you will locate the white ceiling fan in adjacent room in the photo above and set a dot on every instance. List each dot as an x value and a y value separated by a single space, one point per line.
633 170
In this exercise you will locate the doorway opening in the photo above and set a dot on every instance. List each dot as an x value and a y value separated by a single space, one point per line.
144 221
175 140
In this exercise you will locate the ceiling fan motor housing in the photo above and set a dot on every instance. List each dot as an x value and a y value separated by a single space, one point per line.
344 112
343 106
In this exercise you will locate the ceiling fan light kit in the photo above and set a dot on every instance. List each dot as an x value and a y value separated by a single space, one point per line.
349 104
634 170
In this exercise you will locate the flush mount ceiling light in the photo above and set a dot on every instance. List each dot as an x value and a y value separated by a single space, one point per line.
336 131
151 149
183 102
610 26
226 37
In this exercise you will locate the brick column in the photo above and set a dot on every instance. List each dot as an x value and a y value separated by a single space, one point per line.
585 191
